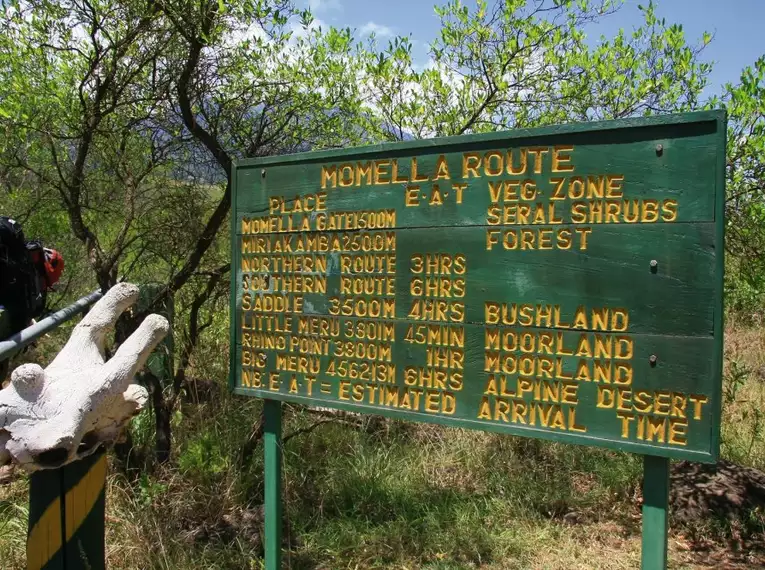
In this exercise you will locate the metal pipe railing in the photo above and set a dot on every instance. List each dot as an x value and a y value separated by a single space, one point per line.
21 339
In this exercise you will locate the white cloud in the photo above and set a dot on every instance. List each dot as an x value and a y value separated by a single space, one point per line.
242 33
377 29
324 5
300 31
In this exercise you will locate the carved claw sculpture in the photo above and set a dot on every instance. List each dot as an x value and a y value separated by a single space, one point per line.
51 417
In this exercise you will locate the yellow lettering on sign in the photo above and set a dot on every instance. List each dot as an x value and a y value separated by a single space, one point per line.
538 152
437 287
656 429
329 176
436 198
347 177
252 378
436 335
368 285
615 319
626 419
442 168
493 163
614 186
412 196
382 175
669 210
437 310
536 355
560 160
698 401
678 431
364 172
459 188
606 398
368 263
362 307
471 162
438 264
521 239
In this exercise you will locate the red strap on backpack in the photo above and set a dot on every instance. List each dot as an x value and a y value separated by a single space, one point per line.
54 266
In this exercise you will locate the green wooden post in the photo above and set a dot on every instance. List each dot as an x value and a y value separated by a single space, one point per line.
272 440
67 509
655 512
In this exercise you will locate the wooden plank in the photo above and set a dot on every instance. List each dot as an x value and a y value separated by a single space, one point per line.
575 185
234 296
390 368
679 360
609 229
675 297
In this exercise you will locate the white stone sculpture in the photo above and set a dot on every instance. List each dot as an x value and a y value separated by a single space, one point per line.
51 417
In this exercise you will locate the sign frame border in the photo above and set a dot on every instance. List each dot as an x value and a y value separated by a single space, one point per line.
507 136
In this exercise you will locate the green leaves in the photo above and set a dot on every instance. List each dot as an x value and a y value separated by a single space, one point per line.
745 187
512 64
259 77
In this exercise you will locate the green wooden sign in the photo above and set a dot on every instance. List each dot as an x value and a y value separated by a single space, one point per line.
562 283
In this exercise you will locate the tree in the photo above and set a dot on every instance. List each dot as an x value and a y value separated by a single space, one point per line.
745 186
525 63
253 79
248 84
128 114
79 98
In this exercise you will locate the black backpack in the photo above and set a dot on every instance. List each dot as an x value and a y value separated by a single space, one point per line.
20 291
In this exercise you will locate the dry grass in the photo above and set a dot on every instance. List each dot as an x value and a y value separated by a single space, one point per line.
744 391
13 524
396 495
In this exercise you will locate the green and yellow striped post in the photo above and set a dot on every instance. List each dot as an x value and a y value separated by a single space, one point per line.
67 506
67 509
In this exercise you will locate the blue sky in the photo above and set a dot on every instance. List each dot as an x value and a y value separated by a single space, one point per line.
737 25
